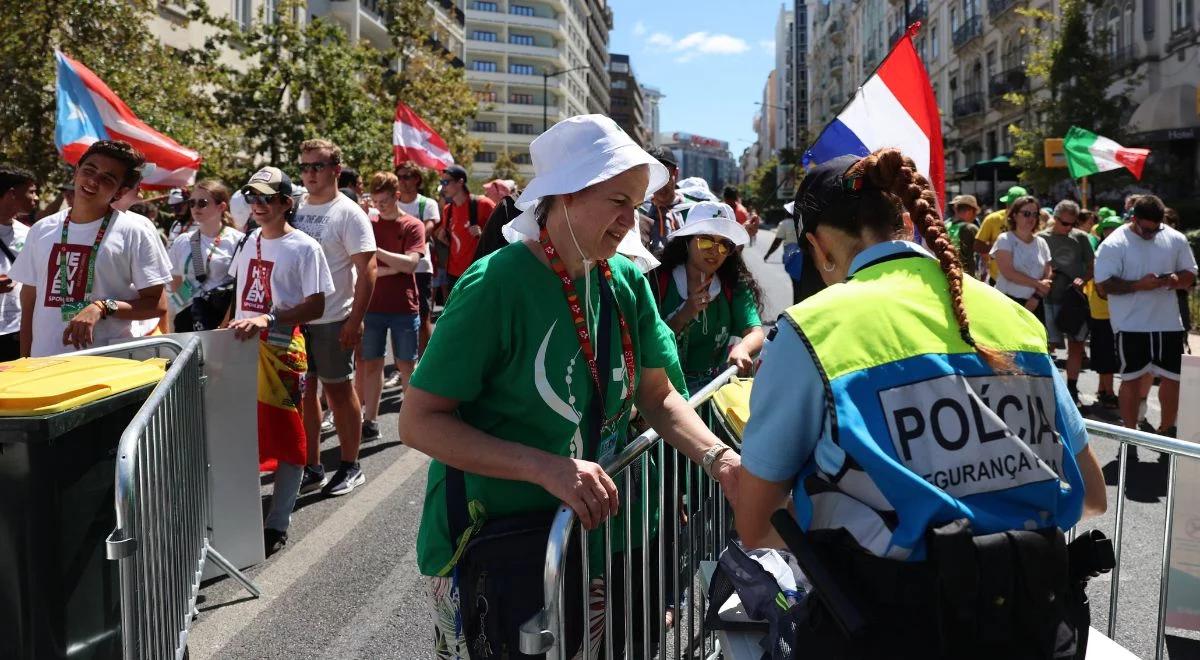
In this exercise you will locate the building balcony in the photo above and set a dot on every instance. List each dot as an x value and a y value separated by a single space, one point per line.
968 105
971 29
918 11
1010 80
505 139
517 20
503 77
503 48
997 8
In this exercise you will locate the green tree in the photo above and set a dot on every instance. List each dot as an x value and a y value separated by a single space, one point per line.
506 168
165 86
1077 75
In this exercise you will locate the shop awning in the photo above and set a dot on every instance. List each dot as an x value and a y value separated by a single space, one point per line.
1174 108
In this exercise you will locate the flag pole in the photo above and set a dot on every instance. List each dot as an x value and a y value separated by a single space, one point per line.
1083 185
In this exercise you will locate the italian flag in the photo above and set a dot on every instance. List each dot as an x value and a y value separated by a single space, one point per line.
1088 153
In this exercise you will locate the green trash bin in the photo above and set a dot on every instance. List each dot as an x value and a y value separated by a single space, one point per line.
60 421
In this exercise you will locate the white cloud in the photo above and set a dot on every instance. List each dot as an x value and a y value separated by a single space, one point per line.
698 43
639 29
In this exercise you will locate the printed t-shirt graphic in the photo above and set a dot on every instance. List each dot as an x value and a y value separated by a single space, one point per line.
343 230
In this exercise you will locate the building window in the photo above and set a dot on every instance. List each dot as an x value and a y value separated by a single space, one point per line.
521 99
953 20
521 69
933 42
1181 14
520 10
485 6
619 84
619 67
484 126
242 14
483 65
481 35
485 97
520 39
485 157
521 129
522 159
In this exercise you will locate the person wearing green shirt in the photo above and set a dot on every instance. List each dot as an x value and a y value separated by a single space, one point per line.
707 295
506 401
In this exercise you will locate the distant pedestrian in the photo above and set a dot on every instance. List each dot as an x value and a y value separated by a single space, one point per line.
18 196
1071 259
425 209
963 227
1023 258
659 216
993 225
1103 358
463 219
201 260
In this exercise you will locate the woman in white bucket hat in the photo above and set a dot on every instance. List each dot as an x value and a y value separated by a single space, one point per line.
708 296
505 399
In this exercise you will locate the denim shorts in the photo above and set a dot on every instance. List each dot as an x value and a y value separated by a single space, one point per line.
404 329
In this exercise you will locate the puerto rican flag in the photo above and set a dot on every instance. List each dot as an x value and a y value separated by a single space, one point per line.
89 111
894 108
414 141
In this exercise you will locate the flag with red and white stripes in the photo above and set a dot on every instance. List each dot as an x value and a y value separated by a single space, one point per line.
88 111
414 141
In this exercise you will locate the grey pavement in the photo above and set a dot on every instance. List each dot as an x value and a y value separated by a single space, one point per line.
347 586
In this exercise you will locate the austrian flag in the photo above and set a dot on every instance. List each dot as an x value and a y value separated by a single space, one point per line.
416 142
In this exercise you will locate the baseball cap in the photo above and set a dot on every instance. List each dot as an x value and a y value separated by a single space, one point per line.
268 181
175 196
664 156
455 172
1111 222
1013 193
824 187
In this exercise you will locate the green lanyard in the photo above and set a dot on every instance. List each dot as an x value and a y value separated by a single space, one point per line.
91 267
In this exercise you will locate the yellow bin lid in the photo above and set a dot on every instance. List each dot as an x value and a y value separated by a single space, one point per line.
42 386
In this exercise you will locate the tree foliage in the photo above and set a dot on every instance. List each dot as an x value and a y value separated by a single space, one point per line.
506 168
291 78
1077 75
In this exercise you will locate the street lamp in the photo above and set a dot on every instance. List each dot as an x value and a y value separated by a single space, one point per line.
546 76
787 133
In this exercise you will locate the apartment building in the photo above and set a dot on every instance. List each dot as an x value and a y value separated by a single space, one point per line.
628 105
652 97
532 63
976 52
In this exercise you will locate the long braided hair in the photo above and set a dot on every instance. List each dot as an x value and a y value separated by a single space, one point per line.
896 175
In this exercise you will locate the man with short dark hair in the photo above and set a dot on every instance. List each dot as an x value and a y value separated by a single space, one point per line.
463 220
426 210
18 196
91 271
658 217
1139 267
344 232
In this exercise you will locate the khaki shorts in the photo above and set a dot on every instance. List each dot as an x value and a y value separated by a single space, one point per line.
326 358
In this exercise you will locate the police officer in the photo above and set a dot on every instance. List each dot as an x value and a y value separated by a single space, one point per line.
907 409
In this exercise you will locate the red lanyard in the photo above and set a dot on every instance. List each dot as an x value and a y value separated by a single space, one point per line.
583 334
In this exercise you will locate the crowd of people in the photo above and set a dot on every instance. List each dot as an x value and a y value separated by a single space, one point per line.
587 306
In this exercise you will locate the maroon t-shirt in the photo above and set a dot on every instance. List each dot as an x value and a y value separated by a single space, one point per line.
397 294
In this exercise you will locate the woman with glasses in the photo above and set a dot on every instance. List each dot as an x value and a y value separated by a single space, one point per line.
200 258
1023 257
707 295
282 282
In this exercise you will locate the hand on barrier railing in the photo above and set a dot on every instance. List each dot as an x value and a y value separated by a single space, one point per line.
740 357
585 487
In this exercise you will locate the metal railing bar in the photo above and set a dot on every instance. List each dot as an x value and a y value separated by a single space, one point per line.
1165 572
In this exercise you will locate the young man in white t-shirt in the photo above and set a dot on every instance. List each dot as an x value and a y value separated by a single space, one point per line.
426 210
91 272
18 195
344 232
282 281
1140 267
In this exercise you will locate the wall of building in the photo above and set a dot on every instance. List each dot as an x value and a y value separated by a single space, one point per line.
652 97
625 99
704 157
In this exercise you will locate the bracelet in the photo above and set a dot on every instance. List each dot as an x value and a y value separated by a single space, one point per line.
270 320
103 309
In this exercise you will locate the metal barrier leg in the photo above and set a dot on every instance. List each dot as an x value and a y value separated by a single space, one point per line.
1115 586
1165 573
232 571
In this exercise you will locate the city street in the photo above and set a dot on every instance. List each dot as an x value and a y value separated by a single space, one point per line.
346 585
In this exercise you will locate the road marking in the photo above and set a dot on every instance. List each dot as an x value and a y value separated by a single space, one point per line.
217 629
376 610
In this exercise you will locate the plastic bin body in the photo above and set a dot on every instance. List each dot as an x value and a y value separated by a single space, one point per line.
59 594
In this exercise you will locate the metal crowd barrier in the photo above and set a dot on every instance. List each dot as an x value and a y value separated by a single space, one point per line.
1172 448
690 490
163 516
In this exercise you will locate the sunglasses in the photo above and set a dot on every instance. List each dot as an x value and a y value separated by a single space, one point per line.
197 203
1153 230
1065 223
722 247
445 182
260 200
1028 214
313 167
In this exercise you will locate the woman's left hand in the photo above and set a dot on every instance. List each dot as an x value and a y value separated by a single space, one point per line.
738 355
725 471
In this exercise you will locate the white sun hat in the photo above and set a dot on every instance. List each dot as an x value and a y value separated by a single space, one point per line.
699 194
576 153
693 182
712 219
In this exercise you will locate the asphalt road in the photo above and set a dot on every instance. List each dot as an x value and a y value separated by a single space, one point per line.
346 586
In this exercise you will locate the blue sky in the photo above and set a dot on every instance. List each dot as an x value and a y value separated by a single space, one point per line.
711 58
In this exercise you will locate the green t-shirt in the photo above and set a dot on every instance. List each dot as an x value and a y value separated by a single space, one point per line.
505 347
704 346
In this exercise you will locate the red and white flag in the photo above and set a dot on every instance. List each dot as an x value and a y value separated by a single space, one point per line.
414 141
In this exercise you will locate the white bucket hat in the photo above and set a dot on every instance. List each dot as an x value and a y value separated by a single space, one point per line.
693 182
699 194
576 153
712 219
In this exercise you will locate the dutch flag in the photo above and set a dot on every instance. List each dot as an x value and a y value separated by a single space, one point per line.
87 111
894 108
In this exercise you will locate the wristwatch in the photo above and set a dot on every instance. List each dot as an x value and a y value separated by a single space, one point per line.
108 307
710 457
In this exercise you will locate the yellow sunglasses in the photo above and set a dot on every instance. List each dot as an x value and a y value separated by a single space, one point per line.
705 243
